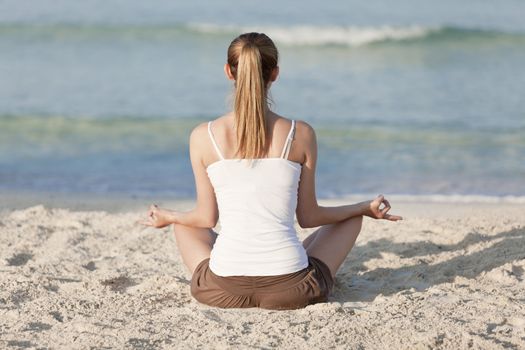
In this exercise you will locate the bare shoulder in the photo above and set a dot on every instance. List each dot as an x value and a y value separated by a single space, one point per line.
199 132
302 128
304 132
200 142
202 128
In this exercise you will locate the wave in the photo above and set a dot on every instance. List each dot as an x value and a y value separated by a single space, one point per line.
354 36
439 162
333 35
83 134
42 135
298 35
434 198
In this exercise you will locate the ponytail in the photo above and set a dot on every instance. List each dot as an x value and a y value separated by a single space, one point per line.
252 57
250 104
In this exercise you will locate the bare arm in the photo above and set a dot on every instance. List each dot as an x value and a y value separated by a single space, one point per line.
205 214
309 212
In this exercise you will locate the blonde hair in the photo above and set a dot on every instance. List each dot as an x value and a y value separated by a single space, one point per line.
252 57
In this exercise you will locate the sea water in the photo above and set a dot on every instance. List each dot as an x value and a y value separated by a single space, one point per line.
411 98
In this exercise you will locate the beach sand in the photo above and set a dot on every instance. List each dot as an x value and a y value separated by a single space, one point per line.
450 276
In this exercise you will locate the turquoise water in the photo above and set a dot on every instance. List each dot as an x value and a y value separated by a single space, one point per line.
420 98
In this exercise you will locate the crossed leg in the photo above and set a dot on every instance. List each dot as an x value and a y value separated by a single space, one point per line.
332 243
194 244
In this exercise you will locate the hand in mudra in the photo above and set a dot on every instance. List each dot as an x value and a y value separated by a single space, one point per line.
157 217
375 211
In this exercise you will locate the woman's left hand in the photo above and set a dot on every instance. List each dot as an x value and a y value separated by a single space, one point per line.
157 217
374 210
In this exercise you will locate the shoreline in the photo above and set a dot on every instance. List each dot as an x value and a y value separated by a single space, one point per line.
118 203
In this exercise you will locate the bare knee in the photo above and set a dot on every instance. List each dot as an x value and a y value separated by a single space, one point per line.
356 221
178 228
353 224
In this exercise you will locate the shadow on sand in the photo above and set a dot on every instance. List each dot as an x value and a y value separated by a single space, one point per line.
355 283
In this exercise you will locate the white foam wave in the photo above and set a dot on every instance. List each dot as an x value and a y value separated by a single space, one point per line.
442 198
327 35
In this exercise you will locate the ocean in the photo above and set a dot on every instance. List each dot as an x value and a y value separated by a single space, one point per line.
416 98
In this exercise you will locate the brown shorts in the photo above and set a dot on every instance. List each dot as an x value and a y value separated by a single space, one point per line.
289 291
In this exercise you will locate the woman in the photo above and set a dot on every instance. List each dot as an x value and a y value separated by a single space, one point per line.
257 169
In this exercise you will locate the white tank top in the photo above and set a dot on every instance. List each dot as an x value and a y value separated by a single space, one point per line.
256 211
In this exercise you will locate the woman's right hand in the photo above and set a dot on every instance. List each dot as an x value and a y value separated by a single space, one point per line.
373 209
157 217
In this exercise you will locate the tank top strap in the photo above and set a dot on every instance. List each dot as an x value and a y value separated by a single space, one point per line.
287 144
213 141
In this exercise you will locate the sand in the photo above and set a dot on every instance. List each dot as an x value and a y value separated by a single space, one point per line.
450 276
